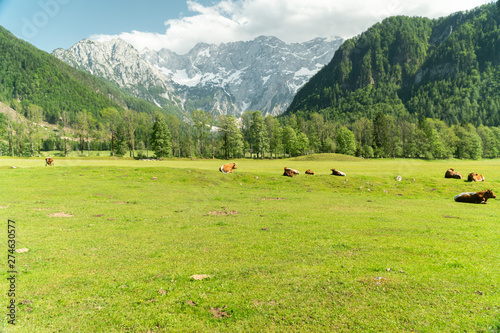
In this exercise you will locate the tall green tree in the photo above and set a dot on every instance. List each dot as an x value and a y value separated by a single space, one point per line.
274 131
131 123
231 136
112 120
346 143
161 141
174 125
302 145
34 115
64 129
381 135
82 127
289 138
201 130
258 134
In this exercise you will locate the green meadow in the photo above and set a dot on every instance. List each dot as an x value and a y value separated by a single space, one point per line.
114 245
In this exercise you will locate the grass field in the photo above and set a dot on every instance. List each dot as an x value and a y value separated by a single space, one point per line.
113 244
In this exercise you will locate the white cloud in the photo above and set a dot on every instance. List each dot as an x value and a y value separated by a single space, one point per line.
289 20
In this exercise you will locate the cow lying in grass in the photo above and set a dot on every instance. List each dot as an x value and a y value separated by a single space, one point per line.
475 197
475 177
309 172
227 168
49 161
337 173
290 172
450 173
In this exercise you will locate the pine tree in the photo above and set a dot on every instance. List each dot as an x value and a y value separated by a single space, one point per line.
160 138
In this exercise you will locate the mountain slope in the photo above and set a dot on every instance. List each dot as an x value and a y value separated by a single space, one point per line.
120 63
413 67
262 74
32 76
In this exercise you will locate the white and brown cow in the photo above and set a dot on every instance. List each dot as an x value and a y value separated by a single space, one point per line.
475 177
451 173
475 197
290 172
228 168
49 161
337 173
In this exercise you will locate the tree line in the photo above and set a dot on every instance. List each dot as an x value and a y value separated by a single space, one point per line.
203 135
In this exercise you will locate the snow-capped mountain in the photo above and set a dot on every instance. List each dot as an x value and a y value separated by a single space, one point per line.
120 62
262 74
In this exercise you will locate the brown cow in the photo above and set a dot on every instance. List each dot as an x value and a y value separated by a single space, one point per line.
309 172
475 177
49 161
337 173
228 168
450 173
475 197
290 172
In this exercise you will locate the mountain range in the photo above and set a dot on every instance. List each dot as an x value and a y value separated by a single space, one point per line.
262 74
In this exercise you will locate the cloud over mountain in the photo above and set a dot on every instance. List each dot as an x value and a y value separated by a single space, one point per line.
290 20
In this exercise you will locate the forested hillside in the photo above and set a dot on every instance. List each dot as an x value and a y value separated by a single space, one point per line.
29 76
413 68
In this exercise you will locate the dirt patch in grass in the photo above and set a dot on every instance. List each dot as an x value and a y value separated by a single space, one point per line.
225 212
26 302
191 303
39 208
220 312
199 277
273 198
258 303
61 214
3 207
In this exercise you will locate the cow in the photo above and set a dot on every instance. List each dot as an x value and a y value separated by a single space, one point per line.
309 172
475 177
450 173
475 197
49 161
290 172
228 168
337 173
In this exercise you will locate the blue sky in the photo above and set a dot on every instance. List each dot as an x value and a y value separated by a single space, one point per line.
180 24
49 24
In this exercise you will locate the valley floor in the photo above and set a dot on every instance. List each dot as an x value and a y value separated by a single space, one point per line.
115 244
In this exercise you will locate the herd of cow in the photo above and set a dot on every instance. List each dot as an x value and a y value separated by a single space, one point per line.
470 197
291 172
